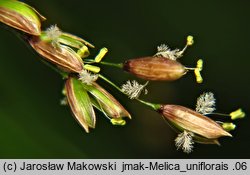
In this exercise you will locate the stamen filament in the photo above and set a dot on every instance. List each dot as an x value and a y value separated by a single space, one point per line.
119 65
216 113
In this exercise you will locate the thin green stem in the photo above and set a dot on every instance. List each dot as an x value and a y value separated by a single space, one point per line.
156 107
118 65
111 83
91 61
190 68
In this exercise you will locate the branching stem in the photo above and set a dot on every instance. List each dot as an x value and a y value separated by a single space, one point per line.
91 61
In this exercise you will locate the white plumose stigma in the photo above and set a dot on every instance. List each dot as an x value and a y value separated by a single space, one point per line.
133 89
87 78
205 103
184 141
64 101
164 51
53 33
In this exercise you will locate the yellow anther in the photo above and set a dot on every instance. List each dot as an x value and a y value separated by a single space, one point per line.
190 40
83 52
92 68
101 54
200 64
237 114
228 126
198 76
118 121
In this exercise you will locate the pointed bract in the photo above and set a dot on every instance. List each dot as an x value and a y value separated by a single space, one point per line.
20 16
80 103
55 35
190 120
62 56
109 105
70 39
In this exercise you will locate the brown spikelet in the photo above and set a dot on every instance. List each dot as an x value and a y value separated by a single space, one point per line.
62 56
193 121
155 68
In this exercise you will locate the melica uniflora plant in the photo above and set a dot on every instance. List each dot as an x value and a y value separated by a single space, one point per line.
69 55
